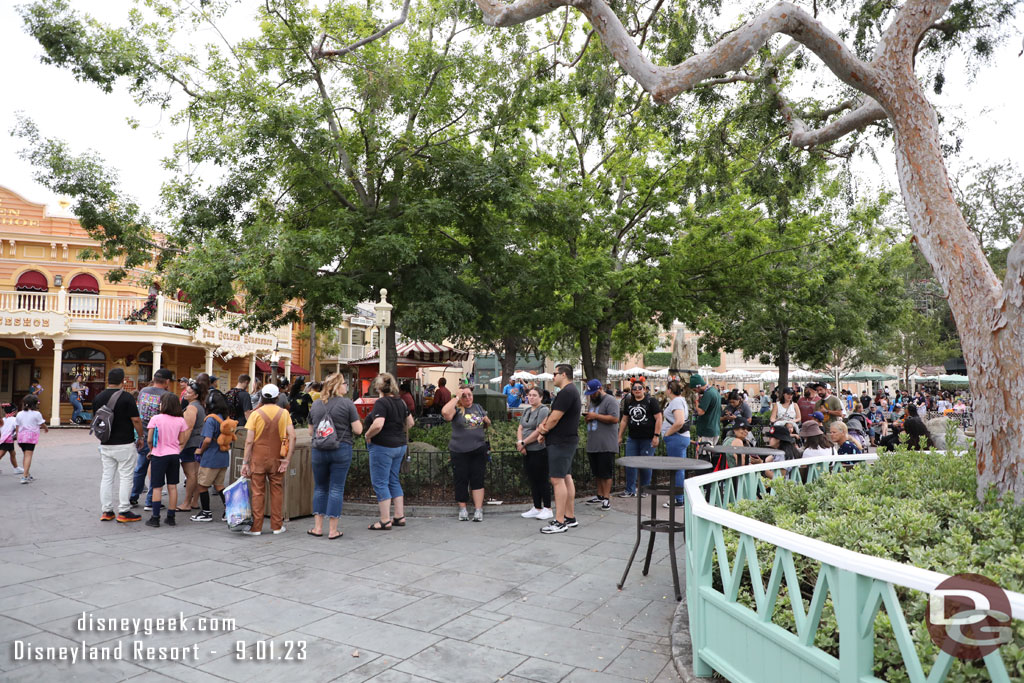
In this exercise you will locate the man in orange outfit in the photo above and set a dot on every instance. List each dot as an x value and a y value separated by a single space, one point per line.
269 444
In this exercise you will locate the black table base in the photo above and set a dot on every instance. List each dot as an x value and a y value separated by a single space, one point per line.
655 526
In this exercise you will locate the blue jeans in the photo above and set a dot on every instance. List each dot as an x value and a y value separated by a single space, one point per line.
78 409
139 477
330 469
675 446
636 447
384 465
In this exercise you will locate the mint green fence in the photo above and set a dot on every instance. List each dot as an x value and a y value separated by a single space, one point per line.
740 639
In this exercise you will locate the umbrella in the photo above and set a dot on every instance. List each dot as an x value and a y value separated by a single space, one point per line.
948 380
802 375
769 376
659 374
544 376
868 376
629 372
495 380
523 374
425 352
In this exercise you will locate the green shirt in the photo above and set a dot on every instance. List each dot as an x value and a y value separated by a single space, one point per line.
826 404
709 424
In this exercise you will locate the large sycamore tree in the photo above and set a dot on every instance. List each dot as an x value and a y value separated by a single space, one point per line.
888 41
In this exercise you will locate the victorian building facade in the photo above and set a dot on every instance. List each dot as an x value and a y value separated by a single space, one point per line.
60 317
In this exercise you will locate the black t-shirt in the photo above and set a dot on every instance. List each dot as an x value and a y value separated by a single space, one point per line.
394 411
122 430
641 416
566 431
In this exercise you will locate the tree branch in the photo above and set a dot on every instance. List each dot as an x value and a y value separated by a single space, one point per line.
869 111
727 55
318 52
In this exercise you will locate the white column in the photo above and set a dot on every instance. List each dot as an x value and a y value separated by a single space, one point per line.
209 361
159 312
252 367
287 362
58 362
158 355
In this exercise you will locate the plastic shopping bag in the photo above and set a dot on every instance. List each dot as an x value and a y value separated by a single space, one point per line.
237 505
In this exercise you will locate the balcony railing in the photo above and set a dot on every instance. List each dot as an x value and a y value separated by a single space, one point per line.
116 310
350 352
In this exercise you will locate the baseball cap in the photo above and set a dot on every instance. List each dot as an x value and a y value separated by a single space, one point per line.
740 423
186 380
163 373
818 415
270 391
593 386
696 381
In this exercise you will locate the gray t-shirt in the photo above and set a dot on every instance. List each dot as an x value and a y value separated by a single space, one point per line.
343 413
670 414
601 437
530 420
195 440
468 429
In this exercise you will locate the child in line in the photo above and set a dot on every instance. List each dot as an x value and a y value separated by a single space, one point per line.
7 432
28 422
171 433
214 456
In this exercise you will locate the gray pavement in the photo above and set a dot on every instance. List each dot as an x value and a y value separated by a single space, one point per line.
438 600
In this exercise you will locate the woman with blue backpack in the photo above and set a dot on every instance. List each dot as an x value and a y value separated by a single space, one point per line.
333 423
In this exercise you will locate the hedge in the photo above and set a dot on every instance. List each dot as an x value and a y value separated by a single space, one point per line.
911 507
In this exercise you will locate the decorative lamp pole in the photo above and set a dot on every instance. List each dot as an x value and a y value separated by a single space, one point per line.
382 309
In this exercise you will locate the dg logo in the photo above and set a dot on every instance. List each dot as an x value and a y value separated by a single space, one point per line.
969 616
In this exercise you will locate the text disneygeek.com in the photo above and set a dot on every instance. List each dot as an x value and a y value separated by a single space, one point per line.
139 650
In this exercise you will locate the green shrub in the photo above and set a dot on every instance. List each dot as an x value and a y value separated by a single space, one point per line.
911 507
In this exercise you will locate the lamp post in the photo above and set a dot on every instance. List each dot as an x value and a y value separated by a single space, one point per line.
382 310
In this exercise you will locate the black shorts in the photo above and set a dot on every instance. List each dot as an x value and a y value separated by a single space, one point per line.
26 447
7 447
188 455
602 464
163 469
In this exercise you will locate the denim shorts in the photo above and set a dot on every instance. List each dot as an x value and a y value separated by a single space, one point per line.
188 455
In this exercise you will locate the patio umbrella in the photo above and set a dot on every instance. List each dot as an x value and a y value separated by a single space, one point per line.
769 376
495 380
953 380
523 374
544 377
659 374
630 372
868 376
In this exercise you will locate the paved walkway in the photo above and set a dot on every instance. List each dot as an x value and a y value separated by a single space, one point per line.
436 601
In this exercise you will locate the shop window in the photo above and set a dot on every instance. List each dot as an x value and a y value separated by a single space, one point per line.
90 364
32 287
342 335
84 294
145 365
358 337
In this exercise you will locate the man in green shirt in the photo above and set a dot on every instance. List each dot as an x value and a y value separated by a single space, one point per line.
829 406
709 411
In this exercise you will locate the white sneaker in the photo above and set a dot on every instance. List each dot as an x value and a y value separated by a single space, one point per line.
280 531
546 513
478 515
252 533
531 513
19 470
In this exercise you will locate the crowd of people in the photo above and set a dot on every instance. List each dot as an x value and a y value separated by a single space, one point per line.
167 432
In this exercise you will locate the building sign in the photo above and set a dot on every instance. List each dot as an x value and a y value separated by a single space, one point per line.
226 340
33 324
365 322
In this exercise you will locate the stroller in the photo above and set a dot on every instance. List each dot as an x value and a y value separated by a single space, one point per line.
858 425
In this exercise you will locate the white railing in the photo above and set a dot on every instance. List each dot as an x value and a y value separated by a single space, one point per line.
28 301
724 632
115 310
350 352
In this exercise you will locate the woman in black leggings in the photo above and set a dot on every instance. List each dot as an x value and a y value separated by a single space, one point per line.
535 456
468 447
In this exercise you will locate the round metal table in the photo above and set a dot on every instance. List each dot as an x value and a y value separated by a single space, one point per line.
655 525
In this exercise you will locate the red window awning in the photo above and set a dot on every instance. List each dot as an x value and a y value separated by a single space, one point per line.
299 370
83 283
32 281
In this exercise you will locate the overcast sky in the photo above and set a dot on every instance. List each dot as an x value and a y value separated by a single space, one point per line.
86 118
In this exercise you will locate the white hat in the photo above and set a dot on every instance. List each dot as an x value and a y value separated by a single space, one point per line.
270 391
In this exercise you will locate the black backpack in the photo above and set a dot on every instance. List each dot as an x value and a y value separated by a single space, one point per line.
103 421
